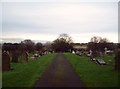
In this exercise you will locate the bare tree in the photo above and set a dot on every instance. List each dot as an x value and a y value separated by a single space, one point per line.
104 40
65 37
38 46
96 39
28 45
48 46
62 43
98 44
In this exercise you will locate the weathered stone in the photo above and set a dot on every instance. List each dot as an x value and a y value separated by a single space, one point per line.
117 60
101 61
93 59
15 55
24 57
5 61
36 55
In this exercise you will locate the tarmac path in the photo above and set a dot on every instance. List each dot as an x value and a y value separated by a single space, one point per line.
59 74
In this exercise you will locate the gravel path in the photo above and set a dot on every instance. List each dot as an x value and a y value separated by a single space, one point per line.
59 74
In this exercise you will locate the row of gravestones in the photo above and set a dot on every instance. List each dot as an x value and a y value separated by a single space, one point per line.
102 62
97 61
80 53
92 57
6 59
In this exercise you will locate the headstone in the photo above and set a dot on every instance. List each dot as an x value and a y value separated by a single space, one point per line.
117 60
92 58
73 52
105 50
89 54
101 61
5 61
24 57
77 52
36 55
15 56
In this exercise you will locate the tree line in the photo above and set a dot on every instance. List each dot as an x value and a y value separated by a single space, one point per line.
64 43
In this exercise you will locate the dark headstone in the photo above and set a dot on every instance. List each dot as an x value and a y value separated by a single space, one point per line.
24 57
5 61
117 60
15 56
101 61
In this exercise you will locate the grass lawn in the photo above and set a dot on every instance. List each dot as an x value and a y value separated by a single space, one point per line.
109 59
91 74
25 74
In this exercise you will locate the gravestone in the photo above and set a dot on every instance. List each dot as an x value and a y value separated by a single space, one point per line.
105 50
5 61
117 60
36 55
73 52
92 58
24 57
101 62
77 53
15 56
89 54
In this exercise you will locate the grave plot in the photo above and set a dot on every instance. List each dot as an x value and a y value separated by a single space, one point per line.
100 61
5 61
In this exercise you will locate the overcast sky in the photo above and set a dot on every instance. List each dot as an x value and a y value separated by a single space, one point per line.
47 19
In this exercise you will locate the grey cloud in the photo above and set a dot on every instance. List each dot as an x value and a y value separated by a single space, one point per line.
57 18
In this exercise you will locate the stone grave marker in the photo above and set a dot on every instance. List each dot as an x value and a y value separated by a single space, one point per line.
117 60
36 55
92 58
73 52
24 57
77 52
15 56
101 62
5 61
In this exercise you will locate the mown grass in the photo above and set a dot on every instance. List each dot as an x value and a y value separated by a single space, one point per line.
91 74
26 74
109 59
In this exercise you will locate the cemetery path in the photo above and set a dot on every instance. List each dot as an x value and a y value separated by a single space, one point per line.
59 74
